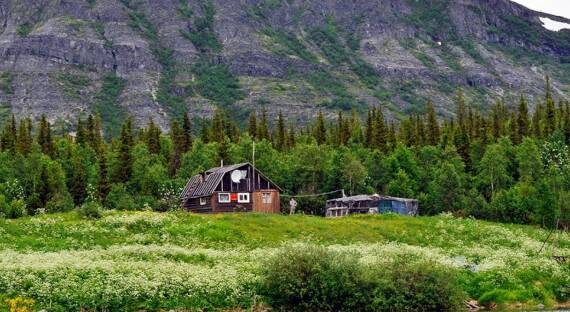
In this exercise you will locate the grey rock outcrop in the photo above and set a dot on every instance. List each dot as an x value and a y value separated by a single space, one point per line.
416 52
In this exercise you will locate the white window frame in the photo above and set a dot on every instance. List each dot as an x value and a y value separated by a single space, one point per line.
246 198
229 200
203 201
266 198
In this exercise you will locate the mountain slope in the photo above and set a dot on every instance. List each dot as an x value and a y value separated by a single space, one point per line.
159 58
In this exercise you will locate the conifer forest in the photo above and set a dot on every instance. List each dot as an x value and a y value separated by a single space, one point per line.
507 164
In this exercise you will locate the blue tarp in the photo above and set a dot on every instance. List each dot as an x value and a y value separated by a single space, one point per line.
393 206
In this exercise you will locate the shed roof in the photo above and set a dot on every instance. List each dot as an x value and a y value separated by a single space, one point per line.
357 198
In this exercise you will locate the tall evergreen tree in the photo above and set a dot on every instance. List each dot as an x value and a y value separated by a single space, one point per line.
262 126
370 128
204 131
461 137
280 135
125 161
380 135
320 131
80 132
79 181
537 122
291 137
522 120
44 137
103 185
218 133
550 122
432 125
24 143
9 136
178 137
252 125
186 133
153 137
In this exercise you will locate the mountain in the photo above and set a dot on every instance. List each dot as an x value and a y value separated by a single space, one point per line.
159 58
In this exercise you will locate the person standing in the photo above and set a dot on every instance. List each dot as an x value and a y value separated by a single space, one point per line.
292 205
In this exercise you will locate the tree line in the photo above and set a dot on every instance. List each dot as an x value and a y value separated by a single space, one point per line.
509 164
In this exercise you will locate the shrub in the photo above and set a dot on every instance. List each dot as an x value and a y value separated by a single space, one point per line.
311 278
91 210
60 203
118 198
4 207
314 278
12 210
415 287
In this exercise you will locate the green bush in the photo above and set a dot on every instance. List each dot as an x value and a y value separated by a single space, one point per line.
12 210
311 278
25 29
91 210
60 203
119 199
414 287
314 278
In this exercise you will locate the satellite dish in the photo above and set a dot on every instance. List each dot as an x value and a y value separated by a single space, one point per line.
236 176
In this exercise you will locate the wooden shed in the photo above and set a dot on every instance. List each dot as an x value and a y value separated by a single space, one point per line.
233 188
361 204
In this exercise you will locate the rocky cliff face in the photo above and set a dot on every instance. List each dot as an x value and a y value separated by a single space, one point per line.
158 58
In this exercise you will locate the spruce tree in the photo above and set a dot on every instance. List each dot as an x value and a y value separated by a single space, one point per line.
24 142
204 131
125 161
567 127
252 125
153 137
90 132
420 130
44 137
281 134
432 125
320 131
79 182
522 120
392 141
461 137
537 122
186 133
262 127
291 137
80 133
370 128
218 133
232 131
178 137
356 135
550 122
103 185
98 133
9 136
380 135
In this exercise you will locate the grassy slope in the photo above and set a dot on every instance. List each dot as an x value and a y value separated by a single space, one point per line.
227 249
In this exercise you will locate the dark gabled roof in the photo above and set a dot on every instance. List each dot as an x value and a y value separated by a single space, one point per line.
205 183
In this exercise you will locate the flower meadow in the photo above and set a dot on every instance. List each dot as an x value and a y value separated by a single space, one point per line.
152 261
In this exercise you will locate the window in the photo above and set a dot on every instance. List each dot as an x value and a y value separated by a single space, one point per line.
266 198
243 198
224 198
202 201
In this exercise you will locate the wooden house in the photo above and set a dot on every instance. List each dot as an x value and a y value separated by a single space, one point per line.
361 204
234 188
